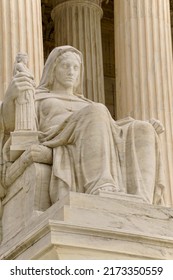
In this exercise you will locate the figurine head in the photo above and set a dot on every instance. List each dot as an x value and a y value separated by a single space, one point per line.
22 57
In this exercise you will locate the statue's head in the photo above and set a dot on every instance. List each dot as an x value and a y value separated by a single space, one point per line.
57 65
22 57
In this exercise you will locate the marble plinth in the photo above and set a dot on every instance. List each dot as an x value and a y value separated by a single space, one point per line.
94 227
20 141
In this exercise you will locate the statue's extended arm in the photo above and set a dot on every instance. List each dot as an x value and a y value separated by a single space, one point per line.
34 154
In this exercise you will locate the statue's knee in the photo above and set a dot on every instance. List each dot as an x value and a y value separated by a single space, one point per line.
98 109
143 128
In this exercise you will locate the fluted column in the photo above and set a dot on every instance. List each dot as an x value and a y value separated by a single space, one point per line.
20 30
144 72
77 23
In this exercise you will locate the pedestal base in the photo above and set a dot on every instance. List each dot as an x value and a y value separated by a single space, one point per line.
95 227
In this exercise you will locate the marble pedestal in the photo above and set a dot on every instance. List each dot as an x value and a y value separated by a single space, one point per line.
25 138
94 227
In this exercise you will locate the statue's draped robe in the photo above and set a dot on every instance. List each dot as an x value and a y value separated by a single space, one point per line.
92 151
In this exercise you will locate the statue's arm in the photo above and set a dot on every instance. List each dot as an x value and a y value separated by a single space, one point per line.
34 154
40 154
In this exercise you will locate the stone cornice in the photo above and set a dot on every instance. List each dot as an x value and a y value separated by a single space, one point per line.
70 3
62 226
98 2
107 1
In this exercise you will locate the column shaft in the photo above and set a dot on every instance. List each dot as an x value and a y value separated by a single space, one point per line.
20 30
77 23
144 69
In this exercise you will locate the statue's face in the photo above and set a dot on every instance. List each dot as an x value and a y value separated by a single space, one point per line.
25 60
67 71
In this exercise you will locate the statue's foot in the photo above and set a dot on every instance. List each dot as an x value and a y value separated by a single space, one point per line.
106 188
109 189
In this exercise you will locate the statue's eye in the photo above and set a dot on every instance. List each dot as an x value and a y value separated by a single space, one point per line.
76 68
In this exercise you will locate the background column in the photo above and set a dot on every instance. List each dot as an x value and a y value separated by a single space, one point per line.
20 30
77 23
144 72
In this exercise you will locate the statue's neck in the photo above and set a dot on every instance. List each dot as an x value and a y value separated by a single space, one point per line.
63 90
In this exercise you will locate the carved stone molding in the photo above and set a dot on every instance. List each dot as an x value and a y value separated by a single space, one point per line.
96 222
107 1
98 2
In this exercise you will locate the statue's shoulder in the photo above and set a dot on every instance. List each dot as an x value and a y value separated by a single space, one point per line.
40 96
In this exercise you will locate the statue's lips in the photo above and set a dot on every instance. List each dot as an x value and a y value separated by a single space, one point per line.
69 79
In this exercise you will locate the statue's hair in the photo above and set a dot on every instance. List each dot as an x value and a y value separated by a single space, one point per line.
64 55
20 56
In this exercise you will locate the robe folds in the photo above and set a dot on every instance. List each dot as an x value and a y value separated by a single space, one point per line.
91 151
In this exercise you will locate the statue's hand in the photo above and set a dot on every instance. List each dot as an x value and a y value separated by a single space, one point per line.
158 126
40 154
20 82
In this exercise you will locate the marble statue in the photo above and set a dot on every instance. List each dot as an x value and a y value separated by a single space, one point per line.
88 150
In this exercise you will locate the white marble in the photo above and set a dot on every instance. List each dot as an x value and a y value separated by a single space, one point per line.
24 103
87 150
25 133
82 226
90 150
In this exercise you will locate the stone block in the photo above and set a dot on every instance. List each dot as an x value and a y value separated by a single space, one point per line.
82 226
26 198
20 141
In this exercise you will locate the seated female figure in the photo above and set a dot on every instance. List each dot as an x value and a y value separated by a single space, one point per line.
91 151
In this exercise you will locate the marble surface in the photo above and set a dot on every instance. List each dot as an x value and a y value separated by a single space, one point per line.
83 226
77 142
